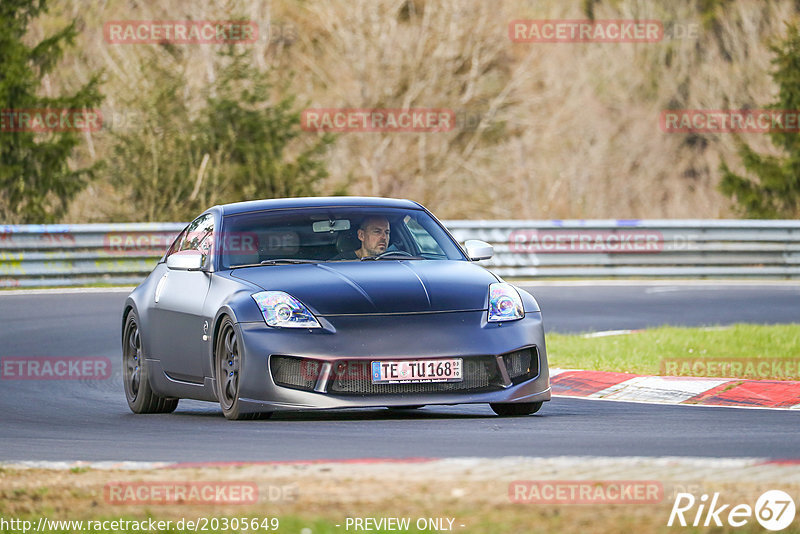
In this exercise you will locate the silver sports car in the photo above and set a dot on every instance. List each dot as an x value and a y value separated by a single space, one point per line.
319 303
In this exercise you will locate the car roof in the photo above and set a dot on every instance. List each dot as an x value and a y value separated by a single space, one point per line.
316 202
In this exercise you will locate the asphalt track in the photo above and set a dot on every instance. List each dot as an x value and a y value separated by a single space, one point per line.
89 420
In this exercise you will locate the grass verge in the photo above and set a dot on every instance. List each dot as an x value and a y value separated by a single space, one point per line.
467 496
655 350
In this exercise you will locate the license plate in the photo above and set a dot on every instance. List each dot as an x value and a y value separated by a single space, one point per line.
415 371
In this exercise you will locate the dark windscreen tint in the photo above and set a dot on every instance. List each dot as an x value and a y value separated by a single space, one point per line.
327 234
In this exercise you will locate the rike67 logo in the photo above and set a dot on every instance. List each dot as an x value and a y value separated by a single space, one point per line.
774 510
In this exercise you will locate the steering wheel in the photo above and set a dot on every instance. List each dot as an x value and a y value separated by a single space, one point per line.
394 252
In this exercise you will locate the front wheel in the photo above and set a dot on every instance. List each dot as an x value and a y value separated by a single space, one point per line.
138 392
517 408
228 360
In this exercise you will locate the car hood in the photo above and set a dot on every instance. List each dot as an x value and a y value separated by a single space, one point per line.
376 287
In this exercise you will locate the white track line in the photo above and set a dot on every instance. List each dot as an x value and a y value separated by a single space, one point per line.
67 291
467 462
657 282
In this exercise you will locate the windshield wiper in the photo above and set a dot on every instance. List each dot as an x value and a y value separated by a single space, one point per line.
286 261
279 261
245 265
390 256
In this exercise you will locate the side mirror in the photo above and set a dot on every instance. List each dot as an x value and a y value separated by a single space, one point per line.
188 260
478 250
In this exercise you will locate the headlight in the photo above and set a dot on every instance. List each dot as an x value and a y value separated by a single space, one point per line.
505 303
282 309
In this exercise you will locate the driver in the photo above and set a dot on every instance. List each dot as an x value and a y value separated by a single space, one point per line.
374 236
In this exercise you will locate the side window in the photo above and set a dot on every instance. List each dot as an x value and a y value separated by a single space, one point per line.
176 245
425 241
199 235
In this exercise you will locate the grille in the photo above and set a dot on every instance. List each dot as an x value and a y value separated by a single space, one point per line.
354 378
522 364
298 373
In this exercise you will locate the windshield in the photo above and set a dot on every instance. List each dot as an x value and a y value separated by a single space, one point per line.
332 234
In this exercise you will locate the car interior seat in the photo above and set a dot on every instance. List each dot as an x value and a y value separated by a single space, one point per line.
347 241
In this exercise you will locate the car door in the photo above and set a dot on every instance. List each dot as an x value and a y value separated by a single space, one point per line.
178 307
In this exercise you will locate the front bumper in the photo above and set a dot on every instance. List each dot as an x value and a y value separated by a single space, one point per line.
464 335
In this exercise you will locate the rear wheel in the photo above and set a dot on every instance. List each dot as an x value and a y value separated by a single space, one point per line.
517 408
228 360
138 392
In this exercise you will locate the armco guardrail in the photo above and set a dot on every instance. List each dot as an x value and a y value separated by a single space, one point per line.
64 255
639 248
80 254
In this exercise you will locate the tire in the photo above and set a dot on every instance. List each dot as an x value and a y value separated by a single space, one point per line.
135 377
517 408
228 360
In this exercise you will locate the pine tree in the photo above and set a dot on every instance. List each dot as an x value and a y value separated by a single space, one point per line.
255 137
36 181
776 192
243 143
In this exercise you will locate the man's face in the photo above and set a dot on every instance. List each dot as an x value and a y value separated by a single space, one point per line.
374 237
